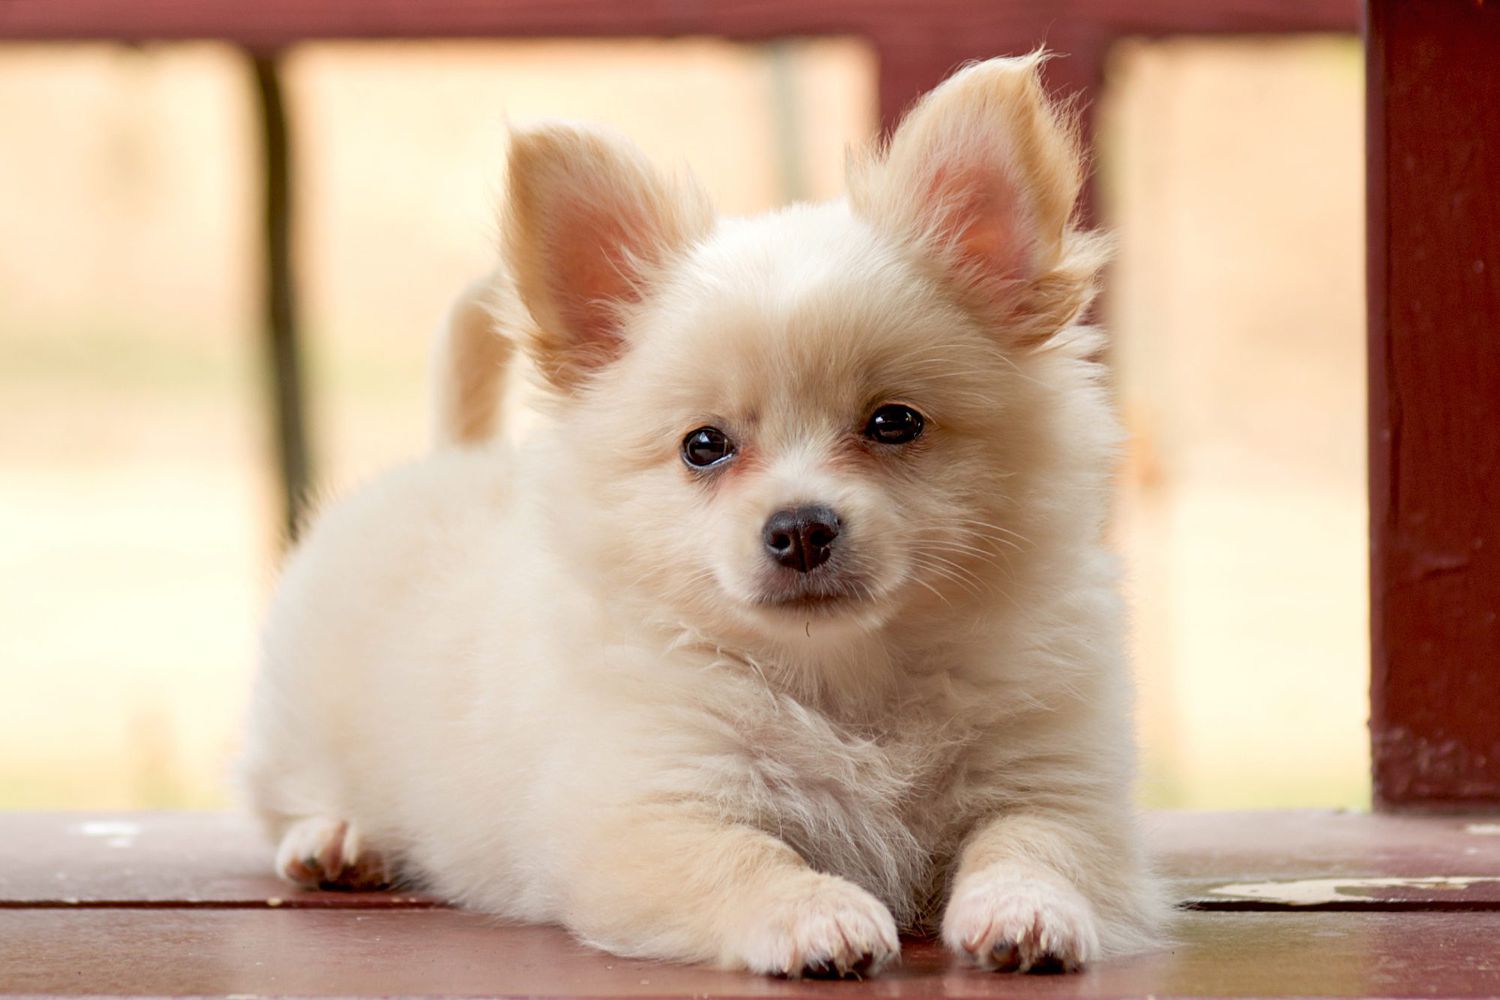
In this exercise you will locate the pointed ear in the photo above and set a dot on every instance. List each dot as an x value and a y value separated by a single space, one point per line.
588 224
981 178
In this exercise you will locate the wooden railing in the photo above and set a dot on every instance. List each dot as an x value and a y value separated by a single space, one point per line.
1434 276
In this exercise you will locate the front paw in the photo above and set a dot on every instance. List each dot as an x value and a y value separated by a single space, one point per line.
819 927
318 852
1008 922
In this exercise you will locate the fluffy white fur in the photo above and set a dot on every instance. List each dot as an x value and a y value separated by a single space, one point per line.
551 681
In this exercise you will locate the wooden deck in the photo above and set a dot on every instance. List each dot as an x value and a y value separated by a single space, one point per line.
1276 904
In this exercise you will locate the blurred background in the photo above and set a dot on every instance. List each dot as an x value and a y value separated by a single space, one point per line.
138 490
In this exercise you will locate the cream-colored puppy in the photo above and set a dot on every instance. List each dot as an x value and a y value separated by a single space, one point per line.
791 625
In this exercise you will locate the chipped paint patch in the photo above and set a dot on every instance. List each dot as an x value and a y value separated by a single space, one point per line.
1483 829
1313 891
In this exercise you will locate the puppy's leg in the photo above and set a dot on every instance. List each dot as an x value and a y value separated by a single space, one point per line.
1030 889
691 888
320 852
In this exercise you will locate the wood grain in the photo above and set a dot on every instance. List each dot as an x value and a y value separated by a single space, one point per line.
1434 314
219 860
917 42
163 904
915 22
445 953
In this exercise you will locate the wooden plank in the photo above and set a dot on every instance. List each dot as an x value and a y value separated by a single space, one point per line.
1328 860
152 859
279 22
445 953
67 860
917 42
1434 314
1298 843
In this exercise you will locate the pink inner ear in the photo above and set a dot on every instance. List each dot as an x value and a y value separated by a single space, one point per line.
979 212
590 272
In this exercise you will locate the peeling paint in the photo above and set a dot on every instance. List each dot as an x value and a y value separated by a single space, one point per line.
1312 891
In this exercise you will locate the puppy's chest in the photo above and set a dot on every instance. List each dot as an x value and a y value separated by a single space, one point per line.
872 802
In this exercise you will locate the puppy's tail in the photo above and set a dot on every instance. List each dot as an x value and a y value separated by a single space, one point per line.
470 357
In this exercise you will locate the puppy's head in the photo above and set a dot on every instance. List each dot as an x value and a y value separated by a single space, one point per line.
825 417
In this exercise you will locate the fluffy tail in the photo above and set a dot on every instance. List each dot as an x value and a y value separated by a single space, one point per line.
472 352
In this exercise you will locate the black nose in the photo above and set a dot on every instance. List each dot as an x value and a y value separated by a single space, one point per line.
801 538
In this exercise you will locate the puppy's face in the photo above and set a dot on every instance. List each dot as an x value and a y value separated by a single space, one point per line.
804 430
811 417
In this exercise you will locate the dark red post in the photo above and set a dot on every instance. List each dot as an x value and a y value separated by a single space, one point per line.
1434 298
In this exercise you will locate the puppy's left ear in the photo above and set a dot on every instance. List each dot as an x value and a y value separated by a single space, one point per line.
589 224
981 179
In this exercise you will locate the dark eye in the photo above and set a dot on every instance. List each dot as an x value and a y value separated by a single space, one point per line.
894 424
706 446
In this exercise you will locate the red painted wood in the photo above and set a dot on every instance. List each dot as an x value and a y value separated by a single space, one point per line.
445 953
900 22
1301 843
1355 857
62 860
1434 314
152 859
917 42
179 904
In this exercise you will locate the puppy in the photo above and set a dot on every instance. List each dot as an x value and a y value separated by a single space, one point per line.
790 625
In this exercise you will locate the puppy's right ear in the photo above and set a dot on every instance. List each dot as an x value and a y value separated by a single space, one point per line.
981 179
588 224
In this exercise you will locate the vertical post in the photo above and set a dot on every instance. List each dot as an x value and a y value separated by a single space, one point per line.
284 366
1433 106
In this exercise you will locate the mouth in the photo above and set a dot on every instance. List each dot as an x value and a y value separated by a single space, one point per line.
821 598
821 604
